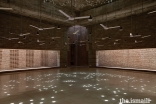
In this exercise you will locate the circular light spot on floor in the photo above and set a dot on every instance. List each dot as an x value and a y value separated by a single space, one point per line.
114 92
102 96
53 101
31 100
106 100
113 98
42 98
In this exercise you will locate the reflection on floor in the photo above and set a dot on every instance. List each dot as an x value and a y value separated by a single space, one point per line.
76 86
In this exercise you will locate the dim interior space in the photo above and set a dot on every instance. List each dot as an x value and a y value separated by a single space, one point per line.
77 51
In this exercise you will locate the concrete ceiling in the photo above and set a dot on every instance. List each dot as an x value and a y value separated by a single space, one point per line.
116 13
99 9
79 5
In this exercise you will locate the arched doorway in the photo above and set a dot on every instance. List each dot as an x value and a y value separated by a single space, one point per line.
78 54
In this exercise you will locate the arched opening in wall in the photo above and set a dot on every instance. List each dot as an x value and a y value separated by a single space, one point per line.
77 41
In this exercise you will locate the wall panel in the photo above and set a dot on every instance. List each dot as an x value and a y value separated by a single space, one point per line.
37 58
12 59
44 57
5 59
22 57
29 58
129 58
52 60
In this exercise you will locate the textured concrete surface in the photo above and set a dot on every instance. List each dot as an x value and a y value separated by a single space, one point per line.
128 58
15 59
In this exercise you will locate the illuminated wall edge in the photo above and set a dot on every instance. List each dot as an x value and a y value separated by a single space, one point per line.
16 59
136 59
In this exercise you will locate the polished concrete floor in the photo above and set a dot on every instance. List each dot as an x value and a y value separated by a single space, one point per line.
76 86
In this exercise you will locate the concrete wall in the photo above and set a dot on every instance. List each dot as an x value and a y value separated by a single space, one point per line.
12 59
129 58
143 24
13 23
